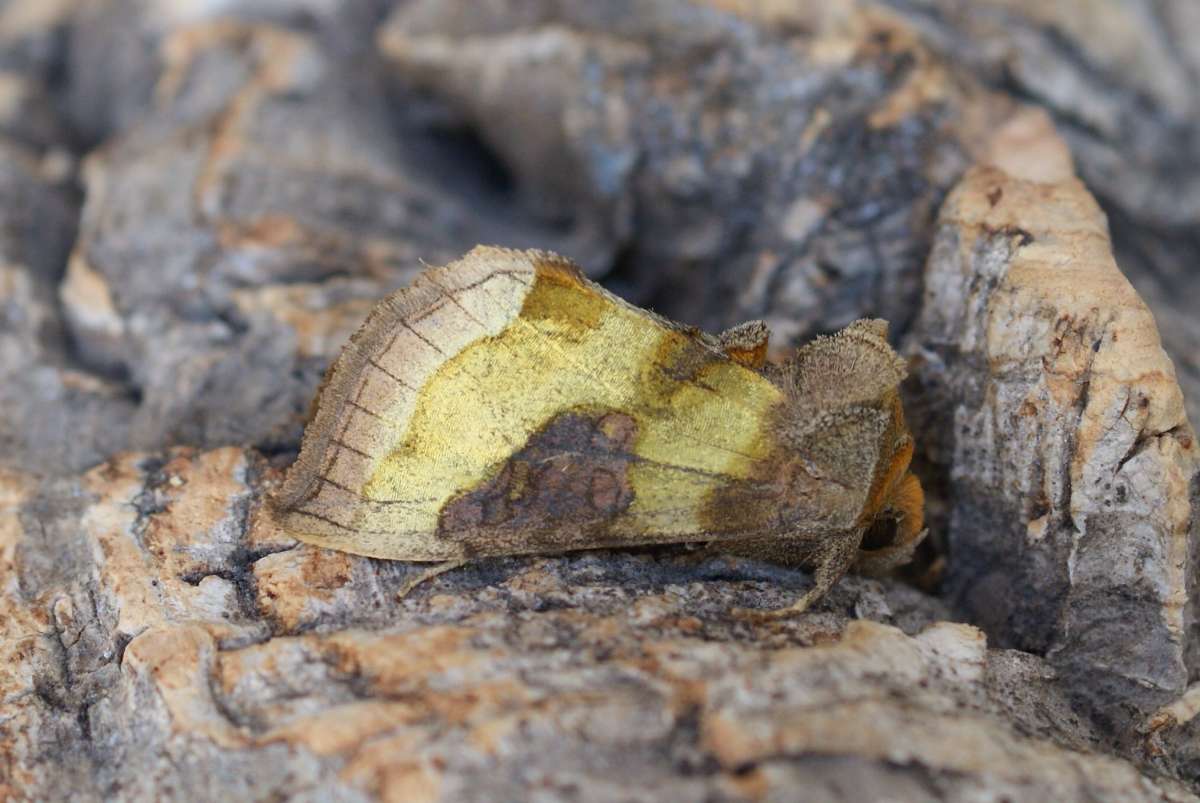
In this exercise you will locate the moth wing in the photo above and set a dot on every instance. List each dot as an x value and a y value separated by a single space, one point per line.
847 445
373 387
435 428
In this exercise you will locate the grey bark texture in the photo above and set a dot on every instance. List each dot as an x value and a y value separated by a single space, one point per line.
202 200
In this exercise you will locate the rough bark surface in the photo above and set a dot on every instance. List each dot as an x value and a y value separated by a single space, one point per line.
754 165
201 201
1052 408
1120 82
162 639
880 106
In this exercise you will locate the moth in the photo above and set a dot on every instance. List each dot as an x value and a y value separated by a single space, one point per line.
506 405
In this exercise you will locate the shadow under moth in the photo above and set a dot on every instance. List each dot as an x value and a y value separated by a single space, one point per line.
505 405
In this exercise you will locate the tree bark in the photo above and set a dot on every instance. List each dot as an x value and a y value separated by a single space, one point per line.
203 200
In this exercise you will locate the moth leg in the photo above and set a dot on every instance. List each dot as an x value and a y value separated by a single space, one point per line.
428 574
833 558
